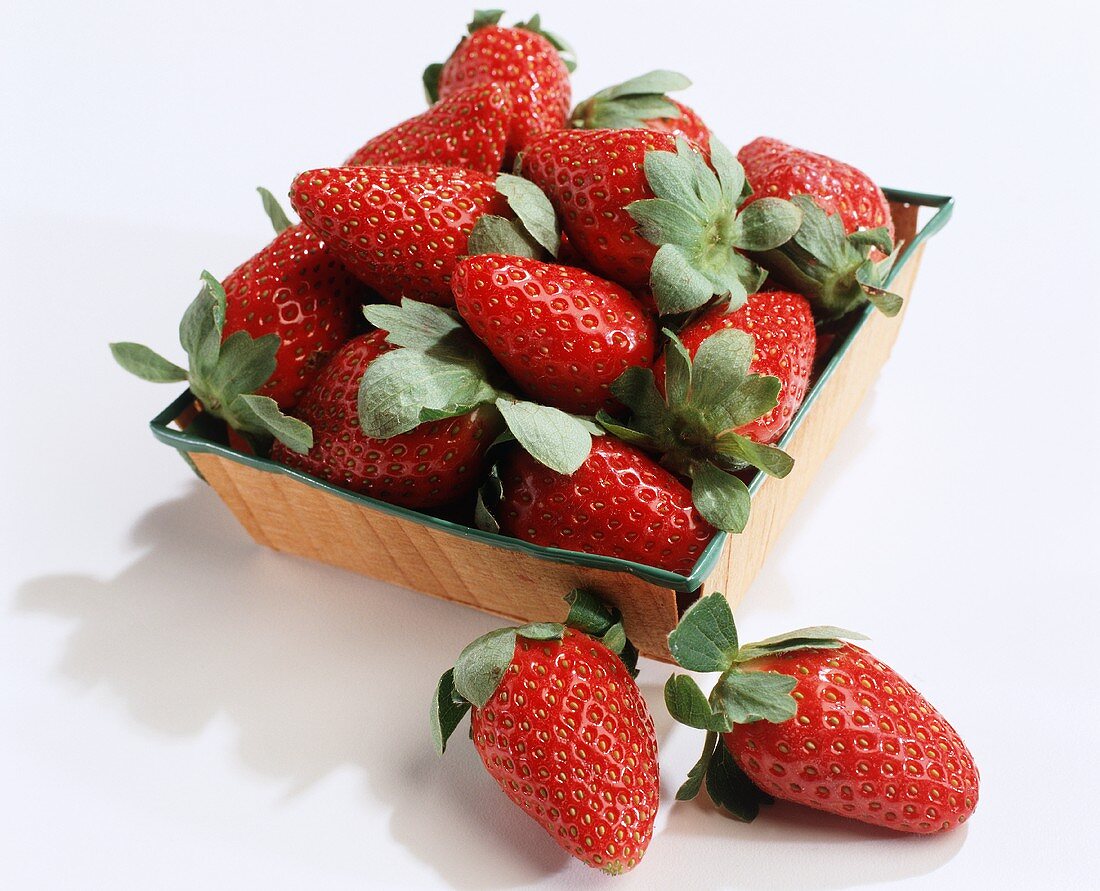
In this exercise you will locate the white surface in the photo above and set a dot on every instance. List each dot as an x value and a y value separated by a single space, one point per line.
180 709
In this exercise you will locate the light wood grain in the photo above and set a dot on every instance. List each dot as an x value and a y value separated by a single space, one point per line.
288 515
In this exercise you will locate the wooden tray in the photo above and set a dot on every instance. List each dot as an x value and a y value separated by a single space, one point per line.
296 513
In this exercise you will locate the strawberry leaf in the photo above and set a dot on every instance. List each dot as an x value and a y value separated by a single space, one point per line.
447 711
631 103
244 364
541 631
730 788
144 363
413 324
496 235
818 637
744 452
533 209
720 497
200 335
687 704
552 437
766 224
430 79
252 413
695 776
481 665
747 696
588 613
280 222
677 285
705 639
484 18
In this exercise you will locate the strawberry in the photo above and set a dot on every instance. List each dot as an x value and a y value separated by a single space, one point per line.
278 317
434 464
641 102
399 229
784 347
562 334
560 725
808 718
780 170
619 503
531 63
645 209
840 256
468 129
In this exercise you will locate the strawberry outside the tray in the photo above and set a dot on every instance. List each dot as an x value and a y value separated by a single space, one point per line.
435 464
401 230
532 63
468 129
560 725
808 718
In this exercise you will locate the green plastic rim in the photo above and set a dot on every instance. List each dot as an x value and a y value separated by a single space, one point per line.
186 442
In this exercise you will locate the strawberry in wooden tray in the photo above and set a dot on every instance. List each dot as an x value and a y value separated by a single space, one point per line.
256 341
641 102
433 464
531 63
808 718
468 129
645 209
842 253
562 334
399 229
784 345
560 725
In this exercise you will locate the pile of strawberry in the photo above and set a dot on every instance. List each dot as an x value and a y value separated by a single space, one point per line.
584 328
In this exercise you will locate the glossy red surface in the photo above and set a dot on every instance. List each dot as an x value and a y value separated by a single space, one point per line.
468 129
782 326
590 177
864 745
688 125
433 465
778 170
399 229
620 503
563 334
298 289
569 738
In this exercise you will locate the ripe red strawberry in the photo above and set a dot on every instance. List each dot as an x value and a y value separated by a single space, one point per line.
776 169
620 503
641 102
298 289
468 129
646 210
782 327
525 59
561 726
562 334
256 341
399 229
437 463
841 256
810 719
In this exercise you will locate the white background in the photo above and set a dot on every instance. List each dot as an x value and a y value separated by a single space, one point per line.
181 709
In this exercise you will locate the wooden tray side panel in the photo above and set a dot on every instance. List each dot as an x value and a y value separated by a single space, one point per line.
288 515
836 404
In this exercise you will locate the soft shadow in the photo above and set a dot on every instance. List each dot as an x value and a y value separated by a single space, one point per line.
318 669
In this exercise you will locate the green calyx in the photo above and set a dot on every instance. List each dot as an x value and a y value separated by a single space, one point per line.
534 233
631 103
222 374
700 233
693 426
481 666
834 271
705 640
442 371
490 18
